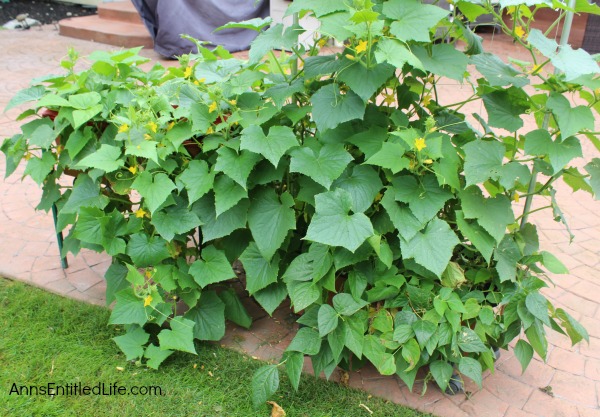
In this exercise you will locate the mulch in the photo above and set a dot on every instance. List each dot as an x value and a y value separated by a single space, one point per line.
46 11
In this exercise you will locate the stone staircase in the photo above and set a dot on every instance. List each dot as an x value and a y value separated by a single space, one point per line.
117 23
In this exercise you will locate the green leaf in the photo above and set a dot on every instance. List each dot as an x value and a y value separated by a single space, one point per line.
483 160
330 107
390 156
505 107
365 81
115 280
294 361
468 341
147 250
423 331
412 20
256 24
264 384
270 217
496 72
214 228
271 297
333 224
303 293
327 319
570 120
593 168
574 329
129 309
107 158
154 189
477 236
26 95
401 216
346 305
443 60
537 305
320 7
236 166
306 341
493 214
208 317
374 350
396 53
227 194
537 338
442 372
431 248
212 268
354 334
273 38
323 166
197 180
363 184
86 193
40 132
425 198
273 146
202 118
143 149
156 356
83 116
234 309
507 255
180 337
524 353
411 354
472 368
40 168
260 273
174 221
132 343
281 93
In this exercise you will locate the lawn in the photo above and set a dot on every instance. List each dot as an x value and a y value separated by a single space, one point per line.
50 339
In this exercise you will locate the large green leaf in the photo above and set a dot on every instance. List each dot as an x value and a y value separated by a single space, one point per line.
346 305
106 158
174 221
412 20
442 372
271 297
321 8
331 107
132 343
270 217
375 351
213 267
273 38
493 214
476 235
333 224
396 53
363 184
23 96
265 382
365 81
537 305
260 273
213 227
593 168
390 156
294 361
208 317
153 188
227 194
234 309
327 319
202 117
156 356
197 180
424 196
537 338
180 337
468 341
444 60
483 160
147 250
571 120
472 368
307 341
86 193
496 72
507 255
273 146
324 165
303 293
401 216
524 353
505 107
129 309
40 132
431 248
236 166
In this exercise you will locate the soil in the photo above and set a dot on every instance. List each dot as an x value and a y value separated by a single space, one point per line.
46 11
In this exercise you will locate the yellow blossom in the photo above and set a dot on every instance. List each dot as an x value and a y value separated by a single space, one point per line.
361 47
516 198
350 57
147 300
188 72
59 149
148 273
28 156
389 99
133 169
147 136
420 144
153 127
322 42
428 161
511 9
519 31
196 82
233 102
426 100
210 130
140 213
170 126
212 107
201 80
123 128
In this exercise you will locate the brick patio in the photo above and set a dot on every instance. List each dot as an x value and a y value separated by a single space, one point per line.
28 252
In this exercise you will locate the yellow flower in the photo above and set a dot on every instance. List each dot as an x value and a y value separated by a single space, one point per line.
233 102
210 130
420 144
188 72
428 161
426 100
147 300
170 126
361 47
511 9
196 82
133 169
147 136
519 31
389 99
201 80
123 128
212 107
322 42
140 213
516 198
153 127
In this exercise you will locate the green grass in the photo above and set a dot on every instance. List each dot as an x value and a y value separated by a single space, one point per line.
46 338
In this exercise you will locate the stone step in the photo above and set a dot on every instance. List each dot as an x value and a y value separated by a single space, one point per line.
111 32
123 11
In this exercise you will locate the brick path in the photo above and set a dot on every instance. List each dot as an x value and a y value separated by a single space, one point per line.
28 252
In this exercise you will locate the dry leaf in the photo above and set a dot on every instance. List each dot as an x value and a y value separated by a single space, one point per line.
344 378
276 411
119 368
366 408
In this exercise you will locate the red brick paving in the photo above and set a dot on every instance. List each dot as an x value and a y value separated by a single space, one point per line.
28 252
